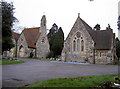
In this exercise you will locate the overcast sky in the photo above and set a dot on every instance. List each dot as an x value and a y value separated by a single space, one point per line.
65 12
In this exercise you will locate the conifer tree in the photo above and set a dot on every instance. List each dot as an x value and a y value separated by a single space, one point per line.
118 48
7 23
97 27
118 23
56 41
118 41
51 34
109 27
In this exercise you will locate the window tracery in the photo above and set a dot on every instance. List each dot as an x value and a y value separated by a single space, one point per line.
78 42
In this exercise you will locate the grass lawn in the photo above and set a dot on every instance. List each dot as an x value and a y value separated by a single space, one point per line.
84 81
8 62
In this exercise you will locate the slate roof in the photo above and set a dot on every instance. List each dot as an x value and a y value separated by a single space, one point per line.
102 38
31 36
16 36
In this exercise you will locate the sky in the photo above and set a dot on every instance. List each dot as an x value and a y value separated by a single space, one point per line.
65 12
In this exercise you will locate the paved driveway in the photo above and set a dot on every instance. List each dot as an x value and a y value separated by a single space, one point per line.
35 70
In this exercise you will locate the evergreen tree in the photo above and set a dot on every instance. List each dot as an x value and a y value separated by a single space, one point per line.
51 34
109 27
118 48
7 22
117 40
56 41
0 30
118 23
97 27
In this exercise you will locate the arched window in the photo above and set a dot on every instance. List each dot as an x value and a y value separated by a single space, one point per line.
78 42
74 45
82 45
78 45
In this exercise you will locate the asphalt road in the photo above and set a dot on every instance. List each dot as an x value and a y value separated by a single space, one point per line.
35 70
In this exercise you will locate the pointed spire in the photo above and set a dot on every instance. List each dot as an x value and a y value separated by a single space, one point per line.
43 20
43 24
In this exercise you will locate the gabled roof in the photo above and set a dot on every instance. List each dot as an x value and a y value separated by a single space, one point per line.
102 38
16 36
31 35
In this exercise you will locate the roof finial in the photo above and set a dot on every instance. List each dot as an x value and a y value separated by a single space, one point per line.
78 14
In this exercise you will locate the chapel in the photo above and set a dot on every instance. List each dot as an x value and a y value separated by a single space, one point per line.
84 44
31 42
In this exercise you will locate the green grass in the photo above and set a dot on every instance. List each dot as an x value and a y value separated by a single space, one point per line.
84 81
8 62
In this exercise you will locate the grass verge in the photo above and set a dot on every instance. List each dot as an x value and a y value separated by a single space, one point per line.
84 81
8 62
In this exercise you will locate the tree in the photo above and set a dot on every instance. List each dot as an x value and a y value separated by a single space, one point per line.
56 41
118 48
117 40
97 27
0 30
109 27
51 34
7 23
118 23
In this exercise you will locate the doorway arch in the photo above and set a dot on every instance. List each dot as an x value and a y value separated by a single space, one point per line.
21 51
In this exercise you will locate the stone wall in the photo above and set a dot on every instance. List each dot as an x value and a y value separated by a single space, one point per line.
88 55
42 44
42 47
78 56
103 56
22 43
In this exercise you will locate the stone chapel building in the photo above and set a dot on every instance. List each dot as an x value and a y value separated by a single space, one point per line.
83 44
31 40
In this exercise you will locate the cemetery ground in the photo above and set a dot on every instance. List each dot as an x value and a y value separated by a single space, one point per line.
8 62
32 70
84 81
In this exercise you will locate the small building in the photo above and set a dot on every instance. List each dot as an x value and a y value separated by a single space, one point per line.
34 41
84 44
31 42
